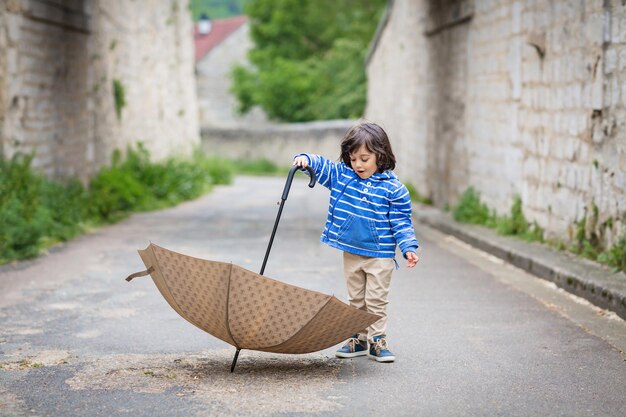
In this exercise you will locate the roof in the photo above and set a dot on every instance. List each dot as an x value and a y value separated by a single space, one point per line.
220 30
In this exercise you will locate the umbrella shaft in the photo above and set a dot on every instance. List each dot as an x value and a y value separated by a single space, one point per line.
269 246
232 366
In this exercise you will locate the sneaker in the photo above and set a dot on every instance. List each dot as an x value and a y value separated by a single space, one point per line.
354 347
379 350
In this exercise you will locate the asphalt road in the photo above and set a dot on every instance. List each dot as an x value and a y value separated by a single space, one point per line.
472 336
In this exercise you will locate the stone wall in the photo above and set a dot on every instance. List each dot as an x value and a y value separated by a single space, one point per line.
393 101
278 143
513 97
59 61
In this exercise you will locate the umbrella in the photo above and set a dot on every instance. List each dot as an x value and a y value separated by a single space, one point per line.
249 310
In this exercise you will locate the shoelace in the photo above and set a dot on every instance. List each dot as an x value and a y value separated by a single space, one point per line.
352 342
381 344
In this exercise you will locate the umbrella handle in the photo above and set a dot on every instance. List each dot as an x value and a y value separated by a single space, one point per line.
292 172
140 274
290 176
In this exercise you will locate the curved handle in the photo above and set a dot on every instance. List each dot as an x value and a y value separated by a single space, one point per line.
140 274
292 172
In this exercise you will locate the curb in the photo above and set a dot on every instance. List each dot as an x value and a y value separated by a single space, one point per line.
596 283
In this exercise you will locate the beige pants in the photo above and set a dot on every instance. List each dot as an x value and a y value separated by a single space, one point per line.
368 281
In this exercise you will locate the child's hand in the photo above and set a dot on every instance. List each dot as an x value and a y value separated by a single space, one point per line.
412 259
301 161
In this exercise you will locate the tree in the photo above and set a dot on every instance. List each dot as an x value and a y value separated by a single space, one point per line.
307 62
216 9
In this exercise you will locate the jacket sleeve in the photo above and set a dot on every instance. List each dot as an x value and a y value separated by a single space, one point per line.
400 219
326 171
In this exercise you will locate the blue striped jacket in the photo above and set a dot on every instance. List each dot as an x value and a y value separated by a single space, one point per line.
365 217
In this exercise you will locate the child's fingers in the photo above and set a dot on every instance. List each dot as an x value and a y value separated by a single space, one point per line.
301 162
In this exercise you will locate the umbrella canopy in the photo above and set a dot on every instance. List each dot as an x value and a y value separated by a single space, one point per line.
248 310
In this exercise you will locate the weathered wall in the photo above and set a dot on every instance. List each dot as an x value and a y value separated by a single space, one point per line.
391 69
3 70
58 64
513 97
148 47
218 107
278 143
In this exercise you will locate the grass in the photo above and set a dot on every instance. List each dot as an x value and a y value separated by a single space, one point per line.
260 167
470 209
36 212
615 256
587 239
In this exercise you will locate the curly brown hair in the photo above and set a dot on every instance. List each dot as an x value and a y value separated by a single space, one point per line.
375 140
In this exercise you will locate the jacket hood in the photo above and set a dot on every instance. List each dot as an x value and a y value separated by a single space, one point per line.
377 176
381 176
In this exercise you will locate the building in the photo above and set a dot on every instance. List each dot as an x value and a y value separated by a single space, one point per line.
225 45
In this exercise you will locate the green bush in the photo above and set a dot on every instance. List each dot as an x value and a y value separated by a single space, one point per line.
66 204
136 184
221 170
36 212
515 224
113 194
586 242
470 209
616 255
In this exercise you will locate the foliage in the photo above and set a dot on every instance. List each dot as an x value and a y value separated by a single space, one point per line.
32 209
516 224
136 184
308 58
470 209
256 167
260 167
217 9
416 196
119 97
586 242
113 194
341 91
66 204
616 255
221 170
36 212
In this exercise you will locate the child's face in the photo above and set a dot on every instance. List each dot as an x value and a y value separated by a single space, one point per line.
363 162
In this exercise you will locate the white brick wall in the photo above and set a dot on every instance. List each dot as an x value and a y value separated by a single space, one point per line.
56 81
394 102
551 129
